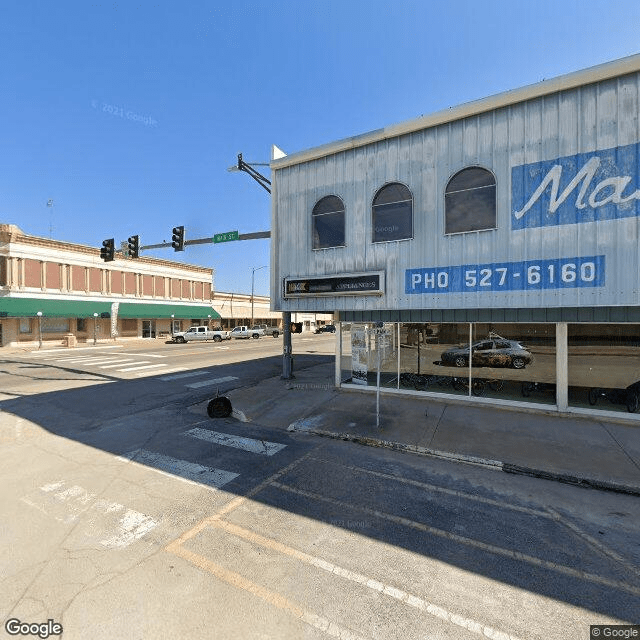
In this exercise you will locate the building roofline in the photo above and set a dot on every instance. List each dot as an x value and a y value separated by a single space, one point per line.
622 66
11 233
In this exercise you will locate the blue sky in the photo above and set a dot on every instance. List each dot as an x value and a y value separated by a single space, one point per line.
127 114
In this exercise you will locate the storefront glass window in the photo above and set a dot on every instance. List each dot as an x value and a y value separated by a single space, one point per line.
514 362
604 366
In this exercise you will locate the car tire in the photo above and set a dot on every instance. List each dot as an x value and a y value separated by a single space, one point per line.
217 339
255 335
593 396
180 340
518 363
275 334
526 389
461 361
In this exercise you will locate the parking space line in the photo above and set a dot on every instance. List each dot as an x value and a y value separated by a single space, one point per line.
470 542
275 599
237 442
358 578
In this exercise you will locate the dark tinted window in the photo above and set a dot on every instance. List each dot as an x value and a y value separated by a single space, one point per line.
470 201
328 223
392 214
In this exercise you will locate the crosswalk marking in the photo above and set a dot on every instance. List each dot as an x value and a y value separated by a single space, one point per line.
117 363
187 471
144 366
92 361
118 526
238 442
207 383
184 375
146 373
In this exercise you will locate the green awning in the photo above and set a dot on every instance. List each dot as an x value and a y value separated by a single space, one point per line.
29 307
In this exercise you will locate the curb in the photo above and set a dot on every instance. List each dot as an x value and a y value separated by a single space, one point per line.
495 465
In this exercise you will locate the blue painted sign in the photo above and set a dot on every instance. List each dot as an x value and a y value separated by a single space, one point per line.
587 187
526 275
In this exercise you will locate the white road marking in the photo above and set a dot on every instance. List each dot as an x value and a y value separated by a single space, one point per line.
145 373
237 442
470 542
191 374
363 580
180 469
154 355
64 351
118 526
91 361
117 363
148 366
207 383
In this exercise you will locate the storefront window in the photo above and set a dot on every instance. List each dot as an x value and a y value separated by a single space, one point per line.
514 362
604 367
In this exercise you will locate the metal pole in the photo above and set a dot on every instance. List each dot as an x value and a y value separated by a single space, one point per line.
287 357
253 272
39 314
95 326
378 380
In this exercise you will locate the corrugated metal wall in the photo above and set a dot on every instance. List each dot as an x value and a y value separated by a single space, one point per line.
593 117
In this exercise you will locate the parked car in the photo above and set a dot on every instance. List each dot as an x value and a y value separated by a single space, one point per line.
244 332
200 334
489 353
274 332
327 328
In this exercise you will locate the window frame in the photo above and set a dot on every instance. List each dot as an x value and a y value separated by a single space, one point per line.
373 226
495 207
314 216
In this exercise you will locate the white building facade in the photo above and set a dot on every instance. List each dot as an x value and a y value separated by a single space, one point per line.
497 241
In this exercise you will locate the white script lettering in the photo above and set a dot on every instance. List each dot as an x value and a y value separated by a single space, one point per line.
617 185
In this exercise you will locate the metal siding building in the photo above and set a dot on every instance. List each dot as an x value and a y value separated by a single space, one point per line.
565 155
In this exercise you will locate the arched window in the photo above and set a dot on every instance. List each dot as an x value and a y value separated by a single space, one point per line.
470 201
328 223
392 213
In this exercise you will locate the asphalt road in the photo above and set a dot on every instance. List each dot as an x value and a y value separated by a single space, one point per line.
127 513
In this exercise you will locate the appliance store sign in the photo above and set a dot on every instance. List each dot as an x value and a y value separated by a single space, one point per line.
586 187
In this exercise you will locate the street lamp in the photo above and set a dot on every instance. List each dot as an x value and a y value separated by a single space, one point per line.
247 168
253 271
95 326
39 314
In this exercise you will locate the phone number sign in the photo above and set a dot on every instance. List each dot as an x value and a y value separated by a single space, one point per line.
528 275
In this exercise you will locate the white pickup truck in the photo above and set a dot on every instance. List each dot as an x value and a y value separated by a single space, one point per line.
200 334
244 332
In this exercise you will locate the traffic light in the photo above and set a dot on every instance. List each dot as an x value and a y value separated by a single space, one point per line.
133 244
177 239
108 251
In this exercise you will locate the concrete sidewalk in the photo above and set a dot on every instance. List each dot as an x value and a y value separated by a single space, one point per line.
588 451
